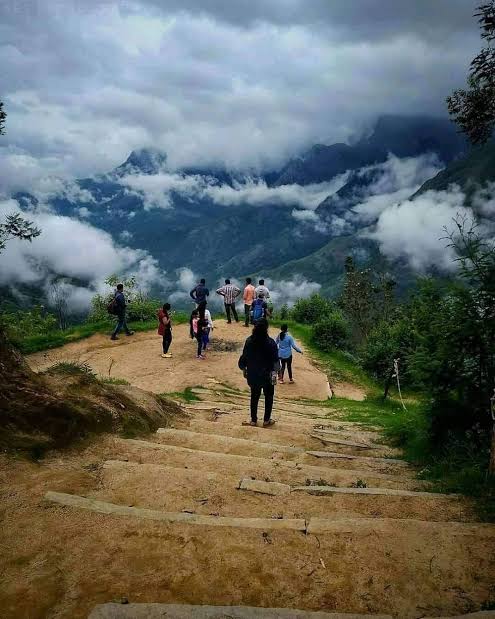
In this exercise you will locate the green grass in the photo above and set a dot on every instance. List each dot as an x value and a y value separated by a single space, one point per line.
186 396
54 339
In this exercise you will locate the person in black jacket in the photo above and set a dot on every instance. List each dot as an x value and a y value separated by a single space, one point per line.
260 364
120 308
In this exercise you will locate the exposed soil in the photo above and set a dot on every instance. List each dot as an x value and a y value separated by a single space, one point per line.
407 556
137 359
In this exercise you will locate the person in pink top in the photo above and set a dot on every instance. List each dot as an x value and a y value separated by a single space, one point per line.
248 297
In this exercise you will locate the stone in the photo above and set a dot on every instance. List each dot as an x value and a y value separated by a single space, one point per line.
272 488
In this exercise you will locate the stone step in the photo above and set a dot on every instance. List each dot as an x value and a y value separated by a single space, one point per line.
358 526
203 491
285 471
372 459
186 611
102 507
330 490
340 441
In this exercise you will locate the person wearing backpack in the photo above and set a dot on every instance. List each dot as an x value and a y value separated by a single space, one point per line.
165 329
286 343
259 309
119 309
199 294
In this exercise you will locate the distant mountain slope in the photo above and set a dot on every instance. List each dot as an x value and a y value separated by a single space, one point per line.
401 136
476 169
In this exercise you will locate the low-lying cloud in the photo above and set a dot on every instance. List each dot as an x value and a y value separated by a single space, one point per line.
73 251
157 191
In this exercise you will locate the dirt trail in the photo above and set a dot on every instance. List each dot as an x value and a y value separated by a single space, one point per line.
213 512
137 359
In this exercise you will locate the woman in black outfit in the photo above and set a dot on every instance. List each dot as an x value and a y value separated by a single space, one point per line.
260 364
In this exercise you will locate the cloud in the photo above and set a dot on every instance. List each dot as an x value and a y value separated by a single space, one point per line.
157 191
288 291
75 251
415 229
236 83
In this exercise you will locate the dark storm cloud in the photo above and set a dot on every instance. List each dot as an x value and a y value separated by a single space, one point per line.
245 83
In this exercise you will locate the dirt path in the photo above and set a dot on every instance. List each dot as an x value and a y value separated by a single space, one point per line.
314 513
137 359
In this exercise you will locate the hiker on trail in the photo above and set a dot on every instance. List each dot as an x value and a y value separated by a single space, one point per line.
199 294
262 288
119 308
260 364
248 296
286 343
259 309
198 329
229 292
165 329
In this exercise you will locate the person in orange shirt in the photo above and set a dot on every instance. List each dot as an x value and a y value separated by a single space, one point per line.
248 297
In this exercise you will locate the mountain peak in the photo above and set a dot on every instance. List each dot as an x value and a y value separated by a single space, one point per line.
144 161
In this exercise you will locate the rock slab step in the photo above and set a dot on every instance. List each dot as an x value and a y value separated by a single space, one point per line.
186 611
102 507
271 488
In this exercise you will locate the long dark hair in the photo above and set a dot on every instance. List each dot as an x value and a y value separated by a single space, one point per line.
166 307
260 332
283 332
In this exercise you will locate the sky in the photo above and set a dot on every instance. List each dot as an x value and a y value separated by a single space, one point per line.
241 83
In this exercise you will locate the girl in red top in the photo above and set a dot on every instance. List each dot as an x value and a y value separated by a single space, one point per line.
165 329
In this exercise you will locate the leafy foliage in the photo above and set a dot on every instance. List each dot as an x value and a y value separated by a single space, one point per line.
16 227
312 309
28 323
3 116
332 332
141 307
474 109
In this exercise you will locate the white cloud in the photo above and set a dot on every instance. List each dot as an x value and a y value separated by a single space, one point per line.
74 250
415 229
288 291
84 83
156 191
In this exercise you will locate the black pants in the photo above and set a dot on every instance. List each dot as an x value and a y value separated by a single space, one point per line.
231 307
247 315
199 339
201 309
269 391
167 340
288 363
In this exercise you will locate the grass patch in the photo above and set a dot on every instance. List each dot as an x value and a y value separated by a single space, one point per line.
54 339
186 396
114 381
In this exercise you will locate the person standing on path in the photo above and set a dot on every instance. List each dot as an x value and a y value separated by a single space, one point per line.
260 364
229 292
199 294
120 305
286 343
198 329
165 329
261 288
248 296
259 309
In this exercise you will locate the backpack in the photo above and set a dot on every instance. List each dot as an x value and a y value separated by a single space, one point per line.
112 307
258 309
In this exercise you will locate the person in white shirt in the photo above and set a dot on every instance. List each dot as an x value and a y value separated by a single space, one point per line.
263 289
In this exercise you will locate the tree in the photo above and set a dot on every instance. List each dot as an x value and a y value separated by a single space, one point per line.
3 116
16 227
474 109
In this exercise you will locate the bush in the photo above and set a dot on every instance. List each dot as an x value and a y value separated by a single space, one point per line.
331 333
21 324
386 342
312 310
140 308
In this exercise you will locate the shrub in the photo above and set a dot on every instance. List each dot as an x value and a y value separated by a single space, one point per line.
23 323
141 307
312 309
386 342
331 333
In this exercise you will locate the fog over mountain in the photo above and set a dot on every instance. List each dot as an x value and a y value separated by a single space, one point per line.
174 140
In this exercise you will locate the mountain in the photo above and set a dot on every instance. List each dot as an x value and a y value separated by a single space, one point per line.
469 173
399 135
224 224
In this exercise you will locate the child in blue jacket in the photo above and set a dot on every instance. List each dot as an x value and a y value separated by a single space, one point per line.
286 343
